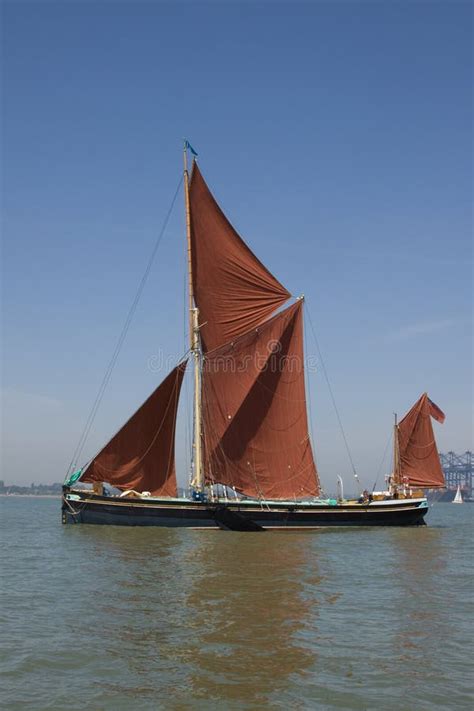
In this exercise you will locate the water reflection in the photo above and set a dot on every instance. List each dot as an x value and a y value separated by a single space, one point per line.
206 615
419 619
246 608
116 618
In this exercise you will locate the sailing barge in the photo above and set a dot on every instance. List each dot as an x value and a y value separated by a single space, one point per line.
252 465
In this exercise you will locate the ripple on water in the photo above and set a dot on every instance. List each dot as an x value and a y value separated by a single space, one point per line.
112 618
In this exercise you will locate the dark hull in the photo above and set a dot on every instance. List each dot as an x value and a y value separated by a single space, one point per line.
92 509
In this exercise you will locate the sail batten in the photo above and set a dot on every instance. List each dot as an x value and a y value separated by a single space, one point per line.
254 412
140 455
233 290
418 455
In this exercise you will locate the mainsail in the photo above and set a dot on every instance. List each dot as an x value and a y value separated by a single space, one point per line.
418 455
141 455
254 412
233 290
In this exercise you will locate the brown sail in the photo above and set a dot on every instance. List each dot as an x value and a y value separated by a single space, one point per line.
233 290
141 455
254 412
419 459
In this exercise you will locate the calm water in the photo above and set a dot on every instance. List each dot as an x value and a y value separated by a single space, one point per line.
115 618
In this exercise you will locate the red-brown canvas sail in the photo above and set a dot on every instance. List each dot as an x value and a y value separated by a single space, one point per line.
254 412
419 458
233 290
141 455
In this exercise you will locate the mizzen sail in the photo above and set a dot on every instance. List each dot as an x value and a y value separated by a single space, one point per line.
233 290
141 455
255 425
418 455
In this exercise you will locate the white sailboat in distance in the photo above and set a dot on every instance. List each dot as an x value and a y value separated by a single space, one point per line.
458 497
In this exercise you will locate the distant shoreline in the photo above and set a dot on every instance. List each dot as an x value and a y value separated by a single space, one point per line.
30 496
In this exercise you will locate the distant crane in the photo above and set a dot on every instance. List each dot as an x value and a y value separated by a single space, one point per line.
458 471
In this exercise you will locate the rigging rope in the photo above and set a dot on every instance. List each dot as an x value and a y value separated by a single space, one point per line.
121 339
383 460
331 394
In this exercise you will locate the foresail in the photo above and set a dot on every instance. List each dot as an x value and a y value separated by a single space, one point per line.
233 290
141 455
419 458
255 425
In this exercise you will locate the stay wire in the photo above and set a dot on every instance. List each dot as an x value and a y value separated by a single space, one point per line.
383 460
121 339
333 399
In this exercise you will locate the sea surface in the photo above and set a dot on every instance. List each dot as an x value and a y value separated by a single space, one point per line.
99 617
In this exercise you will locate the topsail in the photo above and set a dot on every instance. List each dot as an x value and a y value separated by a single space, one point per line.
233 290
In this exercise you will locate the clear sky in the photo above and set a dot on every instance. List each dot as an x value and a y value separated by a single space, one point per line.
337 138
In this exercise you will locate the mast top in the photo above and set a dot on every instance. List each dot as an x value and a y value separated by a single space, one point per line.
188 147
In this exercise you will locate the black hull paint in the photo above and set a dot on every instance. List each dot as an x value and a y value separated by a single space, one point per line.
91 509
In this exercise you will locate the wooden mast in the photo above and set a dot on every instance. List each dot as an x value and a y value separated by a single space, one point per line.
198 479
396 455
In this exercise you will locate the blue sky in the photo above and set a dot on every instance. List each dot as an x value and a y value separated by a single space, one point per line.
337 138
